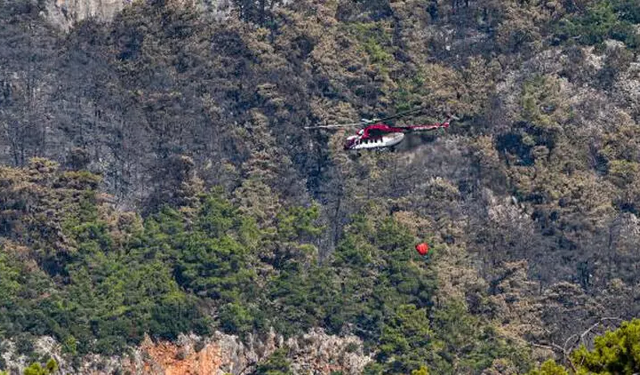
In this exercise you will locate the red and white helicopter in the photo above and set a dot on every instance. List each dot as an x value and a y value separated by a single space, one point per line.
378 135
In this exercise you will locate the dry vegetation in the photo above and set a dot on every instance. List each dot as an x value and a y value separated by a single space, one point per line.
530 201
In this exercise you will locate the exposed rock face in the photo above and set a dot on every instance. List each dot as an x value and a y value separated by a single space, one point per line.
64 13
315 352
319 353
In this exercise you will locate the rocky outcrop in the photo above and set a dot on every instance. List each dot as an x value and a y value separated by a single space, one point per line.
314 352
64 13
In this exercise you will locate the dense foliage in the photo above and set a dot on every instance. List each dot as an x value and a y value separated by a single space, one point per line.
98 279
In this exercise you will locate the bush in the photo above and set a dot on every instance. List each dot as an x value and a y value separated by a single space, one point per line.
603 20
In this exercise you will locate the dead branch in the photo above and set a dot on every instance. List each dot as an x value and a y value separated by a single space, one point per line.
567 341
594 326
579 338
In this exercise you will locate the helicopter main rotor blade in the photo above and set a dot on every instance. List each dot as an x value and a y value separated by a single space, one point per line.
333 126
366 121
400 114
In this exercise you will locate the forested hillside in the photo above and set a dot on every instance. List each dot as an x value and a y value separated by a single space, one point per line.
158 179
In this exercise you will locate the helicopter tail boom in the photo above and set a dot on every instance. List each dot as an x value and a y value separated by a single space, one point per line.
429 127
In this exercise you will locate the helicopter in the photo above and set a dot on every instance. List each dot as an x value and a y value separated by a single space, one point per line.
377 135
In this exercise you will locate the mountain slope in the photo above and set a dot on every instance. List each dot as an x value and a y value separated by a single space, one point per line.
530 201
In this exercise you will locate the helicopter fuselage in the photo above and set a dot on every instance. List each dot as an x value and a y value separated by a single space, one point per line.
384 141
384 136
